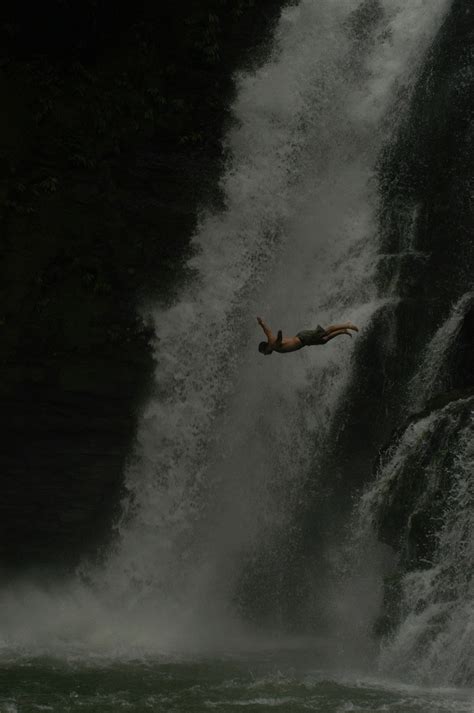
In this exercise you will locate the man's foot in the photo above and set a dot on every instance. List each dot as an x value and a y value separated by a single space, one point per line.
349 325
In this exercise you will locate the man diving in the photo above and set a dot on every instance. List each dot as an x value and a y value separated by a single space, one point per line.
306 338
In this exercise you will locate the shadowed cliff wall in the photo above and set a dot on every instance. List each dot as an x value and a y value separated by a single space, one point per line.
109 141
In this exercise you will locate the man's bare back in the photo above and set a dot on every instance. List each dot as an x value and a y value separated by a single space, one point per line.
308 337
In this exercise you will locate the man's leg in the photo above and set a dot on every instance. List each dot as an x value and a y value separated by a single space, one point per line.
337 327
336 333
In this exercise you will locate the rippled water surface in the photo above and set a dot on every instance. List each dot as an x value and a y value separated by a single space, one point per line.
226 684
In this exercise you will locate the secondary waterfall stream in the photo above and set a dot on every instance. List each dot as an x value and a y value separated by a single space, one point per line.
435 636
228 440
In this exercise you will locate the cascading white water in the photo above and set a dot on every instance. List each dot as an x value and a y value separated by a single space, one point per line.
434 639
431 376
228 437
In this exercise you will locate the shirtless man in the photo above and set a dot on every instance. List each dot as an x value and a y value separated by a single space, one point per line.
306 338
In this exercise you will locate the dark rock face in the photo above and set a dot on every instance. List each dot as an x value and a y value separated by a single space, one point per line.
426 221
426 259
109 141
426 251
426 181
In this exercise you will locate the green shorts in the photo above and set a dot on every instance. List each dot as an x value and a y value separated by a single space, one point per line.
309 337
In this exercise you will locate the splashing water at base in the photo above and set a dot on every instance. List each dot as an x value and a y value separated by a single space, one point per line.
254 684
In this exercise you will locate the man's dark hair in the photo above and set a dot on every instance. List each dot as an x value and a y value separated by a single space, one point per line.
262 347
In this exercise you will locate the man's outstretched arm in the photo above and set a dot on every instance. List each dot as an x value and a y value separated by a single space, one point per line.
266 329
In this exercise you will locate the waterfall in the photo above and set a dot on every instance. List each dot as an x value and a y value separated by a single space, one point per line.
225 445
227 439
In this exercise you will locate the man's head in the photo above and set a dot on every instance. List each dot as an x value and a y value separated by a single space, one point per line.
264 348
